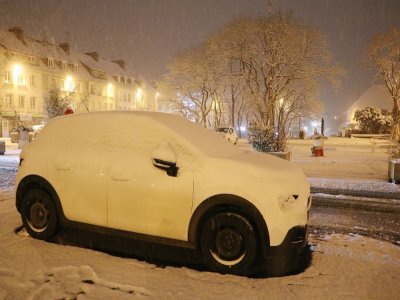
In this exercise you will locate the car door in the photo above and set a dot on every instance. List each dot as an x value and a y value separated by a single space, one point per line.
142 197
81 183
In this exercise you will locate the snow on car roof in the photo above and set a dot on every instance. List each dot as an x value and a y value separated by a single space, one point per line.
201 138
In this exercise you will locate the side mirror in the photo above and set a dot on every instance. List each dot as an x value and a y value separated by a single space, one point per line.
170 167
164 158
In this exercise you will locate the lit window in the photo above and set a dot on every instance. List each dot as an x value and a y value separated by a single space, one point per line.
21 102
76 68
32 102
63 65
31 59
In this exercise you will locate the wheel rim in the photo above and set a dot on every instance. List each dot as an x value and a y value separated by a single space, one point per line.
38 216
229 247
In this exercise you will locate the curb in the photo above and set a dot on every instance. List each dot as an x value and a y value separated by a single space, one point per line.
356 193
361 203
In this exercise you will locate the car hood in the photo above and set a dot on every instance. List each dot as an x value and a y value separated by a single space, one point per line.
255 170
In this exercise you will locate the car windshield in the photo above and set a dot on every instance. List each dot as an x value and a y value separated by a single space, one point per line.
201 138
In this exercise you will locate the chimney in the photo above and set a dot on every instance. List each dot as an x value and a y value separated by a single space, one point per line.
66 47
19 33
94 55
120 62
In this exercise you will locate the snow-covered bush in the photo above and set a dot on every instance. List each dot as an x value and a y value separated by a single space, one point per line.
373 120
262 138
54 104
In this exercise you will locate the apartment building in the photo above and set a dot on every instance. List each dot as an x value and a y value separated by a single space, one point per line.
29 68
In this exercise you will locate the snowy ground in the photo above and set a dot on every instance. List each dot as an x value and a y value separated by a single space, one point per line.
343 158
343 266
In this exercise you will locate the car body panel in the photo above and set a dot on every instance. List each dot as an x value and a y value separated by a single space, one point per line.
146 200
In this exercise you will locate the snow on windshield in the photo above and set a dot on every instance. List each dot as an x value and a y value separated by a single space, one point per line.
206 141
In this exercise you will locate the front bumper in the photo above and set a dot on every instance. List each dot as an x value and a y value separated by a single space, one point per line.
291 256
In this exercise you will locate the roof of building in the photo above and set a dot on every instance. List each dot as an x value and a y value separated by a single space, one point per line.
42 49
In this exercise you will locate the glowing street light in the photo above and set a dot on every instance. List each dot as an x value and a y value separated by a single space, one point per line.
110 90
17 74
69 85
139 94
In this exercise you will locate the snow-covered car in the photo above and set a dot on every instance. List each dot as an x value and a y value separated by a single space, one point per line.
228 133
165 179
36 129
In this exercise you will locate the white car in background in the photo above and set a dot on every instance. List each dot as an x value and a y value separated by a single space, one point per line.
166 180
228 133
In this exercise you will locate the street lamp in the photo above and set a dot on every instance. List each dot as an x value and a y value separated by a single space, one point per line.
69 84
139 94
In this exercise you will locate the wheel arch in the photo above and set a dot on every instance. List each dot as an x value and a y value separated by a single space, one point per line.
227 202
35 180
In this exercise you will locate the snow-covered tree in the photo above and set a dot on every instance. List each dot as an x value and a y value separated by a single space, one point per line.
191 84
226 47
384 51
54 104
269 68
284 62
373 121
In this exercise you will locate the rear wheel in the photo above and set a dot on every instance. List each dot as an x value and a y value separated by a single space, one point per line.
229 244
39 214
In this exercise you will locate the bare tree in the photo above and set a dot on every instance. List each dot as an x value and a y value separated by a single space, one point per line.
225 47
269 68
384 51
281 61
191 84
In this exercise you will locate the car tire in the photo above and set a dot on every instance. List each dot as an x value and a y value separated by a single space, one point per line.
39 214
229 244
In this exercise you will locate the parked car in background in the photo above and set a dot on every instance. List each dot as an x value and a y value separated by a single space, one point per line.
169 181
36 130
228 133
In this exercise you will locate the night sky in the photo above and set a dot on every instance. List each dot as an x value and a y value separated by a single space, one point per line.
148 33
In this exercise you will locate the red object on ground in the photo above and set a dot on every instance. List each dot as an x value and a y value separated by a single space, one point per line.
68 111
318 151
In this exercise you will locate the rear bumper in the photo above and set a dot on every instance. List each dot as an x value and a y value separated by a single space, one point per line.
290 256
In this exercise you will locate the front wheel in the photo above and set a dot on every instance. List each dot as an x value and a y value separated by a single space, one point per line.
229 244
39 214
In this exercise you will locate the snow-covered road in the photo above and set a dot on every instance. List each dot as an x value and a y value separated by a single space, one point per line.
343 266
